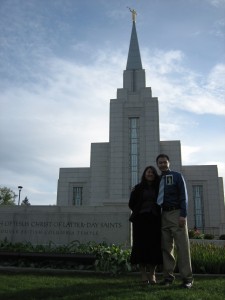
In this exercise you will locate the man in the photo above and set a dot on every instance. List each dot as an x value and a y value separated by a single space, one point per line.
173 200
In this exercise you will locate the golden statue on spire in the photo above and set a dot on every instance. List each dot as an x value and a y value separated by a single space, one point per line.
134 14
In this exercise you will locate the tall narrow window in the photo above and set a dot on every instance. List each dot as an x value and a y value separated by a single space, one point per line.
134 150
198 206
77 196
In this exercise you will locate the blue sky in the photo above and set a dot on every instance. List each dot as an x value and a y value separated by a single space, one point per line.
61 61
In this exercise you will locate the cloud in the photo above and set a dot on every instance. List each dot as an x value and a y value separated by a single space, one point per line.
217 3
51 123
215 80
187 153
179 87
218 28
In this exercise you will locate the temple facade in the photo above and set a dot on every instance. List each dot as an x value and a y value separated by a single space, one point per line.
134 142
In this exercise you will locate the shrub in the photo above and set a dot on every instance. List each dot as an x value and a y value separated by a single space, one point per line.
208 236
195 234
112 259
222 237
191 234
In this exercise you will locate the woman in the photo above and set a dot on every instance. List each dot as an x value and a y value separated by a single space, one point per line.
146 218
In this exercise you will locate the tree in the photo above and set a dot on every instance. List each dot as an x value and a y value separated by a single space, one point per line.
25 202
7 196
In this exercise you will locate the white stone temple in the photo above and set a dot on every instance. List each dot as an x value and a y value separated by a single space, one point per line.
134 142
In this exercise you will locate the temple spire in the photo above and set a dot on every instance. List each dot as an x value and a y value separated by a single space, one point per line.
134 57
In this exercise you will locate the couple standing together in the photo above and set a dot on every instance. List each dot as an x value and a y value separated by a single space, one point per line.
159 217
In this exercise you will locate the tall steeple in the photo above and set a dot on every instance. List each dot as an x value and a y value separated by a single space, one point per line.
134 57
134 75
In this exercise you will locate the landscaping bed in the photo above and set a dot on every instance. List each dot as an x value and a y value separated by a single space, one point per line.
207 258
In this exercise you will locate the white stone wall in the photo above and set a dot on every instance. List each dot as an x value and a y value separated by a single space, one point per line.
207 176
173 150
41 225
99 170
116 154
150 131
69 178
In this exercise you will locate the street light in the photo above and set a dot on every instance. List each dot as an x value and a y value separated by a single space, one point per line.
20 188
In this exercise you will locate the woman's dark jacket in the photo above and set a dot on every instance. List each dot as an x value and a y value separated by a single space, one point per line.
136 200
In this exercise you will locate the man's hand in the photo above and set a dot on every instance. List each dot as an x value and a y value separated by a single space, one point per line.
182 221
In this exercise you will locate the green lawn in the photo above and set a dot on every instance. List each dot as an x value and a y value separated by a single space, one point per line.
86 286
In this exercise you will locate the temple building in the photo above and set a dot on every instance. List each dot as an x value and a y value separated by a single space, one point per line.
134 142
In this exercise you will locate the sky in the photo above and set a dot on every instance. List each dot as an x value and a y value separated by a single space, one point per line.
61 61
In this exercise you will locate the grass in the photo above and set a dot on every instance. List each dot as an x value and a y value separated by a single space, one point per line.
92 286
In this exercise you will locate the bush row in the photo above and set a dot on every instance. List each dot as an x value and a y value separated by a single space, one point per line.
206 258
196 234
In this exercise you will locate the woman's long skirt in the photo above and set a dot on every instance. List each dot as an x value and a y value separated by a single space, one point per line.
146 247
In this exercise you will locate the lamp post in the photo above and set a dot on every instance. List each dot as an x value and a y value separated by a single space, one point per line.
20 188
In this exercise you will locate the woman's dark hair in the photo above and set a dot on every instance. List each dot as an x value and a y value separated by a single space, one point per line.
157 178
